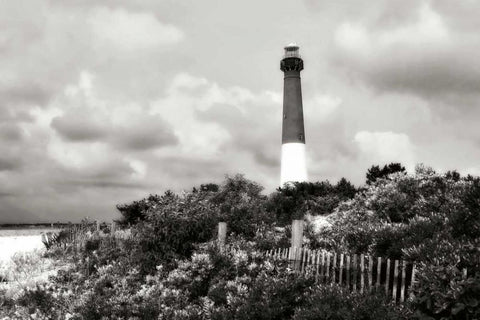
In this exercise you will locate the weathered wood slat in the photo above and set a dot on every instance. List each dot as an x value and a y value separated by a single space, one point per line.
412 281
355 268
387 277
379 272
362 273
327 276
402 290
311 263
340 274
304 259
395 280
322 272
370 272
334 267
348 271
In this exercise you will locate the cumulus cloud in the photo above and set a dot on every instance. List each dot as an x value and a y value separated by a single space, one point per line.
131 31
424 55
103 103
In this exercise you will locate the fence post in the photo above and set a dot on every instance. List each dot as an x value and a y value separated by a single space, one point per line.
222 234
98 225
297 239
113 227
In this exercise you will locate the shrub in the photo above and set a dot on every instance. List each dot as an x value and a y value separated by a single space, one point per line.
271 298
38 299
241 205
136 211
335 303
293 201
171 231
443 293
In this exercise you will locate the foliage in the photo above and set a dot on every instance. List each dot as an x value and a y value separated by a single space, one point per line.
443 293
171 230
240 203
430 218
136 211
295 200
375 172
402 216
336 303
168 266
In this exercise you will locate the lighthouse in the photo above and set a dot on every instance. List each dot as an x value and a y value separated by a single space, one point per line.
293 167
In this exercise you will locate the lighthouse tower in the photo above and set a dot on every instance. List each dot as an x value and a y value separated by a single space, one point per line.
293 132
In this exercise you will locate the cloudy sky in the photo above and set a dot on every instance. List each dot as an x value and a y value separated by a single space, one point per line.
104 102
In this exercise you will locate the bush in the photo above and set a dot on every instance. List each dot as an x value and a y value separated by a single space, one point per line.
443 293
294 201
171 231
136 211
335 303
273 298
241 205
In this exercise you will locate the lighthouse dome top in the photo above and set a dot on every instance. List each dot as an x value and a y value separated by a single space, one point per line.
292 51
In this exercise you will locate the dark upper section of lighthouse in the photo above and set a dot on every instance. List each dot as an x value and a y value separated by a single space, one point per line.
291 60
292 127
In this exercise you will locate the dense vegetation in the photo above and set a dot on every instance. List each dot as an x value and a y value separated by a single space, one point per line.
165 263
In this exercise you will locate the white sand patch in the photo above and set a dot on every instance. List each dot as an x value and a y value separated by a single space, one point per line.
10 245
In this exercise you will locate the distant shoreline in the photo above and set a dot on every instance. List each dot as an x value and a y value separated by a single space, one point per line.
22 232
33 225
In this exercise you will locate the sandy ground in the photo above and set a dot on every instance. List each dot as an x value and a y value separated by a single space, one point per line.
25 232
9 245
38 269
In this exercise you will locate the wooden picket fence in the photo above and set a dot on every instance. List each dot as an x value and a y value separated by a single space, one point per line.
356 272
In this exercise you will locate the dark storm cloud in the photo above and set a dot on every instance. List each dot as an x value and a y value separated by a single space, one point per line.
145 135
6 194
180 172
10 132
76 129
12 212
267 160
24 92
9 164
428 74
251 132
103 184
418 50
113 174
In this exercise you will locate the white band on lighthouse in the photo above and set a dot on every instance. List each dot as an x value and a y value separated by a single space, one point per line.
294 167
